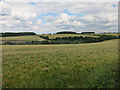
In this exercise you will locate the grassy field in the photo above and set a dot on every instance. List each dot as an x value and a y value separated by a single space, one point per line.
22 38
60 66
114 34
52 36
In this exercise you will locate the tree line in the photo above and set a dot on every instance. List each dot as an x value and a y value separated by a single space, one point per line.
25 43
70 32
9 34
66 32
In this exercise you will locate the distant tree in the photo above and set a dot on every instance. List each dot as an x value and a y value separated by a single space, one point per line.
9 34
87 32
66 32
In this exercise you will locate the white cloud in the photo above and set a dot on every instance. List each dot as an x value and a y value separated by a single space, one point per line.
17 21
3 4
3 21
113 28
76 23
62 0
97 16
22 15
39 21
4 8
35 27
48 23
29 22
88 18
107 24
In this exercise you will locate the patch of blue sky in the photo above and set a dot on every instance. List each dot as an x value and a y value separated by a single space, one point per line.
114 5
33 3
42 17
71 14
52 14
1 0
37 18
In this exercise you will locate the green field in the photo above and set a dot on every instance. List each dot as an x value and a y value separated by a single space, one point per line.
114 34
60 66
22 38
52 36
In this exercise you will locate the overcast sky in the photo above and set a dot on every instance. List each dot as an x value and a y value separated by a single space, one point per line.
51 17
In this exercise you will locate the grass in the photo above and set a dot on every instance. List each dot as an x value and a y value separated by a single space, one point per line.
52 36
22 38
60 66
114 34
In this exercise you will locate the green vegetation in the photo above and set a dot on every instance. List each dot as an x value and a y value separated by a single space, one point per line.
36 39
114 34
66 32
52 36
93 65
9 34
22 38
78 40
87 32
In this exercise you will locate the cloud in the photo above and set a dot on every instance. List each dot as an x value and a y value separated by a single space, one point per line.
22 15
108 24
35 27
39 21
4 9
46 17
61 0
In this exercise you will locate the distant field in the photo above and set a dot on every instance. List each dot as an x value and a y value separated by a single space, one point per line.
60 66
52 36
66 35
116 34
22 38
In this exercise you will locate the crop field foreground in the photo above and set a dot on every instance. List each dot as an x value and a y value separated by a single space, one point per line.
93 65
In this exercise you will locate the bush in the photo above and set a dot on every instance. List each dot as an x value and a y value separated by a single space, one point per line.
80 39
44 37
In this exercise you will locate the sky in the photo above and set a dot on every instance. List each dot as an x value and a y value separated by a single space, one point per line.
52 17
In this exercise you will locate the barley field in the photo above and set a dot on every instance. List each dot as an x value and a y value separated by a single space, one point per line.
93 65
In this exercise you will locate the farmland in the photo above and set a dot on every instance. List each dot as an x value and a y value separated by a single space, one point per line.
56 38
61 66
114 34
52 36
22 38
